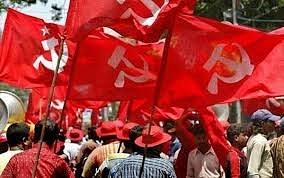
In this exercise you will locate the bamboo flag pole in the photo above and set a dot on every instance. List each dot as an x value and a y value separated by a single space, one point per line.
53 84
158 87
129 108
68 89
40 108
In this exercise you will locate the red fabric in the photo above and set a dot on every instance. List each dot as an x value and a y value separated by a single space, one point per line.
216 134
273 105
234 161
24 40
133 111
49 165
187 141
122 111
139 111
110 69
278 31
85 15
251 60
38 103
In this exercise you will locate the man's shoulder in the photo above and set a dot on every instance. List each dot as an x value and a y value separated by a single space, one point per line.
192 152
258 138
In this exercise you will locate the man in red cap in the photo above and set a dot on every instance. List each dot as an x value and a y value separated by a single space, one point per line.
72 145
127 135
155 166
107 132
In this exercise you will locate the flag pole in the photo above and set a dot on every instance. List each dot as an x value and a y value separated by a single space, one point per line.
234 12
158 87
129 108
68 88
53 84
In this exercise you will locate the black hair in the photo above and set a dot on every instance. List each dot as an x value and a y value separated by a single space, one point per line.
235 130
169 124
257 126
51 131
134 133
17 133
197 129
92 134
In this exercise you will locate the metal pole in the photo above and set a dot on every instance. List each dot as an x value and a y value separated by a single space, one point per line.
234 11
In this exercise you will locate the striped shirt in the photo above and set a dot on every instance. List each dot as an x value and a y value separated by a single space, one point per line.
97 157
153 168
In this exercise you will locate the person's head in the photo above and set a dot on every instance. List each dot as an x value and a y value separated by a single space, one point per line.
92 133
74 135
3 143
169 127
134 133
107 131
17 134
123 135
201 138
154 140
237 135
281 127
263 121
51 131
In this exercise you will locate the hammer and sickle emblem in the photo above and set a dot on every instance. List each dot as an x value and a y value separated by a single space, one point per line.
151 5
49 45
117 57
57 104
241 69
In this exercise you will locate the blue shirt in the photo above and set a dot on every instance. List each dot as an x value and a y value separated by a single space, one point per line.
153 168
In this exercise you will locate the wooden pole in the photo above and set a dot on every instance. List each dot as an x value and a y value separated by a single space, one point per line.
53 84
158 87
68 89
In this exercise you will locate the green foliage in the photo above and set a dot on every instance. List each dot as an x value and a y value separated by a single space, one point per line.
262 14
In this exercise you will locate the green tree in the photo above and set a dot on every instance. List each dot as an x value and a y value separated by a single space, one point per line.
262 14
56 10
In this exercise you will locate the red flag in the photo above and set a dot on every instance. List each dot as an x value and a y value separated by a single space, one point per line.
29 52
110 69
139 111
278 31
216 134
132 111
139 19
38 102
211 62
273 104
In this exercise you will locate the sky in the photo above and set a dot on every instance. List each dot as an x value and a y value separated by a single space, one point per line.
41 11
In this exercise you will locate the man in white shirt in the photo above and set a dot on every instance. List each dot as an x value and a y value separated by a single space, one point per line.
17 134
260 164
202 161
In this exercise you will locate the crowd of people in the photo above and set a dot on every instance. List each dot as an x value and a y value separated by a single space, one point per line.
174 148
